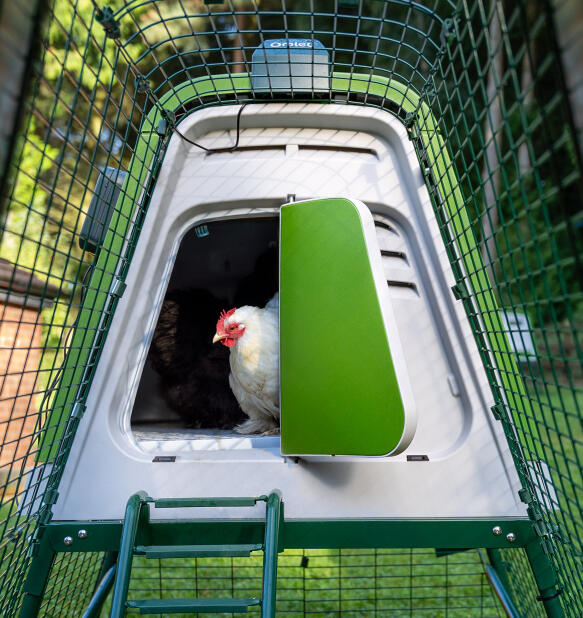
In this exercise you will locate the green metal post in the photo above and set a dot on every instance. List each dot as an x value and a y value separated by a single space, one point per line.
126 551
272 517
36 581
546 579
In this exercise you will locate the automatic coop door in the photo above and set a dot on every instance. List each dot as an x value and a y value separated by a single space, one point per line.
290 65
344 383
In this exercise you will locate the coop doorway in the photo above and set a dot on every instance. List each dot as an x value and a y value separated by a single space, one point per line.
183 393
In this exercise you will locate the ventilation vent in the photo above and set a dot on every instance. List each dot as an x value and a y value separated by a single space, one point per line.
396 263
259 148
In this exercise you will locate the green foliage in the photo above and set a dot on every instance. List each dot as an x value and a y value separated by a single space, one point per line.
27 235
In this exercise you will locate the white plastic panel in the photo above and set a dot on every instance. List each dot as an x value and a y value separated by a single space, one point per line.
469 472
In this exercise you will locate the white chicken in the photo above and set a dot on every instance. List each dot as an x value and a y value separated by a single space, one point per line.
252 334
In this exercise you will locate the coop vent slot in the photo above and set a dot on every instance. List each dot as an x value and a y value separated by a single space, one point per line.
394 254
401 284
301 147
398 269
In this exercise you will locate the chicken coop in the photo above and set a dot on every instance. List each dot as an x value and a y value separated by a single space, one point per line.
403 180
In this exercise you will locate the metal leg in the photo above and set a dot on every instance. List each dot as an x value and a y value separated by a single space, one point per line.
546 579
36 581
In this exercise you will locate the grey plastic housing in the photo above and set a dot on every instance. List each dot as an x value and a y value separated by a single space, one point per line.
290 65
107 190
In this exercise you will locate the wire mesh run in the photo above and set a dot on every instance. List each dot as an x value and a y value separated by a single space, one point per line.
480 87
358 582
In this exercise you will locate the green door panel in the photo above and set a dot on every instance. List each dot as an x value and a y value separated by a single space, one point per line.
339 389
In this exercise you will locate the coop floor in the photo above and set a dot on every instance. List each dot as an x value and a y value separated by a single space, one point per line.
172 438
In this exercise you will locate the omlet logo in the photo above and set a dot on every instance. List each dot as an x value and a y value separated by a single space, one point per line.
291 43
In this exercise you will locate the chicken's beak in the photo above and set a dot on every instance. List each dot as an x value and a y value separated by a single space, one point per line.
218 337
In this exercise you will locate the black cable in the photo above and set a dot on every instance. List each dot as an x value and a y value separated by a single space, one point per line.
186 139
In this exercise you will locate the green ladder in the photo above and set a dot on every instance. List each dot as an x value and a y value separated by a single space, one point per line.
137 518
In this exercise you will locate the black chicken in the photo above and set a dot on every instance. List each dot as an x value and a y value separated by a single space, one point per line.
194 374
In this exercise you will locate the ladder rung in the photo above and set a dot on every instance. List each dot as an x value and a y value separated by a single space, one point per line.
176 606
195 551
174 503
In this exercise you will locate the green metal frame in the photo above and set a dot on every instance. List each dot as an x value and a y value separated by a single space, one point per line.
458 534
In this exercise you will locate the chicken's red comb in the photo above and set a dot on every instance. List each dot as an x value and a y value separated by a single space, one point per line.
224 315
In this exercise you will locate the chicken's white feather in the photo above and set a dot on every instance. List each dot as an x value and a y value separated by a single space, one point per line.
254 361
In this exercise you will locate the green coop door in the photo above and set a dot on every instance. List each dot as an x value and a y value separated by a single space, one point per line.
344 385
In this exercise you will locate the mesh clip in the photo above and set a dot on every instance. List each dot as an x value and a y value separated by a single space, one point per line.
542 528
78 410
106 18
497 412
45 515
409 121
50 497
524 494
118 287
142 84
448 33
460 291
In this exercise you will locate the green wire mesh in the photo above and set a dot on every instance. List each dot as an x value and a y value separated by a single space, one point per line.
357 582
502 166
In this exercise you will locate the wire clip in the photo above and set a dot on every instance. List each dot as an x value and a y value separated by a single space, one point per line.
497 413
142 84
106 18
78 410
448 33
118 287
460 291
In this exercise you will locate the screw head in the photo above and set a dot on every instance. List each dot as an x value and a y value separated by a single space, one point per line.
496 530
511 537
68 540
82 534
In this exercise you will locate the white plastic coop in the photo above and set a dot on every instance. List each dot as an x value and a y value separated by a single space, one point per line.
457 464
